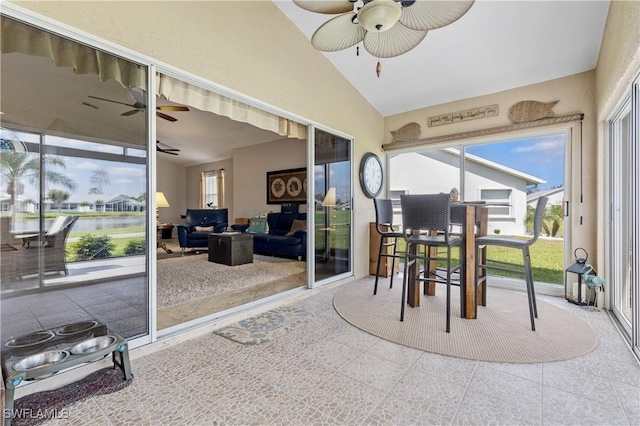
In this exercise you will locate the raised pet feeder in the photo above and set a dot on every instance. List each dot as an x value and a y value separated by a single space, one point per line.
44 353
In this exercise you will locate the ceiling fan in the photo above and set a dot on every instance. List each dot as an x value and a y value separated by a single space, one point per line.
387 28
168 150
140 97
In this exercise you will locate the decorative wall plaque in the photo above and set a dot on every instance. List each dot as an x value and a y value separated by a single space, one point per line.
469 114
285 186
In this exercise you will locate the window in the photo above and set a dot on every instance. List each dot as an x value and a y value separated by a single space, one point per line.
212 189
497 196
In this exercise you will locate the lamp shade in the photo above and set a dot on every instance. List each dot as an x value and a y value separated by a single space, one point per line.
330 198
161 200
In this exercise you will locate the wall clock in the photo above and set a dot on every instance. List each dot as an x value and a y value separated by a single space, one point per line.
371 175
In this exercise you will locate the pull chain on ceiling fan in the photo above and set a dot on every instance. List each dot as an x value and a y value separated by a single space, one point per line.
140 104
386 28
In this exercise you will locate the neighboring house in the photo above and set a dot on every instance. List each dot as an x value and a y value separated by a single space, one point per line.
100 203
439 171
555 195
76 203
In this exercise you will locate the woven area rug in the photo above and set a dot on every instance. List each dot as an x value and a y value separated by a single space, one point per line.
185 279
502 332
37 406
266 326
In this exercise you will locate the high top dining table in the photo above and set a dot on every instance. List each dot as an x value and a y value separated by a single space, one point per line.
475 224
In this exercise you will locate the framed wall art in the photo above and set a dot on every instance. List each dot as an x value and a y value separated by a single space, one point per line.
285 186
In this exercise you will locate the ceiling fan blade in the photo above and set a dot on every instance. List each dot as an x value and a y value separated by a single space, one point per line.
166 151
172 108
428 15
128 113
109 100
139 95
166 117
338 33
326 6
393 42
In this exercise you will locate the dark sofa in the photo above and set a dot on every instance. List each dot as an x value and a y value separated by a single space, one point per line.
275 243
189 237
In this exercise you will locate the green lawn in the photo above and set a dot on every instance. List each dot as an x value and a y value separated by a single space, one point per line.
546 259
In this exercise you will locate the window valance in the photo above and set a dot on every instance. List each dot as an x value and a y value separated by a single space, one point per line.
184 93
21 38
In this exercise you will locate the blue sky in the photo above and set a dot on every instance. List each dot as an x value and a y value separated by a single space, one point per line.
542 157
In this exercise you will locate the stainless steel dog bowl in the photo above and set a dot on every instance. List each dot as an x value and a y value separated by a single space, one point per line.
93 345
41 360
76 327
30 339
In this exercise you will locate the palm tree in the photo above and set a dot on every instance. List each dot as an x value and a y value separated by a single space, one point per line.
94 190
553 213
100 178
58 197
16 167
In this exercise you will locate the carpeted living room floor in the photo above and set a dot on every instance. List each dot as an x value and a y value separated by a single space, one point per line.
190 287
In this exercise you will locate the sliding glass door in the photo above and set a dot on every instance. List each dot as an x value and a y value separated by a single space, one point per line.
509 176
73 186
332 206
623 225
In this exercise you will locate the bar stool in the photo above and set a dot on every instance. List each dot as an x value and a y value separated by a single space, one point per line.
525 268
428 212
388 237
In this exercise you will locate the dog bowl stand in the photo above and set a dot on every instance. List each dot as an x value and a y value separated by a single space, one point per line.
119 351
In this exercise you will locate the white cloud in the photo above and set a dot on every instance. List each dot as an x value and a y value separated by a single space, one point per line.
123 181
86 165
552 145
126 171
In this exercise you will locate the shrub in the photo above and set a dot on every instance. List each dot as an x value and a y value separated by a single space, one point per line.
90 247
496 231
137 246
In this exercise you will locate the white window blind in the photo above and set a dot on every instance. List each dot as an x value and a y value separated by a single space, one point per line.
501 197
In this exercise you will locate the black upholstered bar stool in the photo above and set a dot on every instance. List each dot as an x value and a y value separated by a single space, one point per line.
428 212
388 237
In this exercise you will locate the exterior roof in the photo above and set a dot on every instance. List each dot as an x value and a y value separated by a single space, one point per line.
530 179
544 193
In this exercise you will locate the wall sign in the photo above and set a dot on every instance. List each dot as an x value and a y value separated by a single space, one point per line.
285 186
469 114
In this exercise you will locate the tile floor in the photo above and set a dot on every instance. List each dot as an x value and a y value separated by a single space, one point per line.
328 372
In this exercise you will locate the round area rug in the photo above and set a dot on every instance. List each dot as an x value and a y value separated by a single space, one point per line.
502 332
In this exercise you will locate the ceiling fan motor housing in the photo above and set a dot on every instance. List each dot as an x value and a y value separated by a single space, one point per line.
379 15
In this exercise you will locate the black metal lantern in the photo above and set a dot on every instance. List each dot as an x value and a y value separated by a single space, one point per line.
580 267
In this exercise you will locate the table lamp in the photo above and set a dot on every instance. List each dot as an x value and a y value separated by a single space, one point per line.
161 201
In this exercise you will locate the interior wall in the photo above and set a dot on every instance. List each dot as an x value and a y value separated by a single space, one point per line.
234 44
251 165
192 184
575 95
171 179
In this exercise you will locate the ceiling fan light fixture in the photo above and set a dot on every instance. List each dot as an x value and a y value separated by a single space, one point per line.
379 15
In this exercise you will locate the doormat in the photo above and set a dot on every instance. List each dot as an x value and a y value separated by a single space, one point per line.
266 326
41 406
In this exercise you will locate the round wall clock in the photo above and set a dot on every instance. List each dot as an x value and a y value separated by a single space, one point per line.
371 175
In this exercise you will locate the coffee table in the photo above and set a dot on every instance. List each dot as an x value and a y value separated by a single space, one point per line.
231 248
